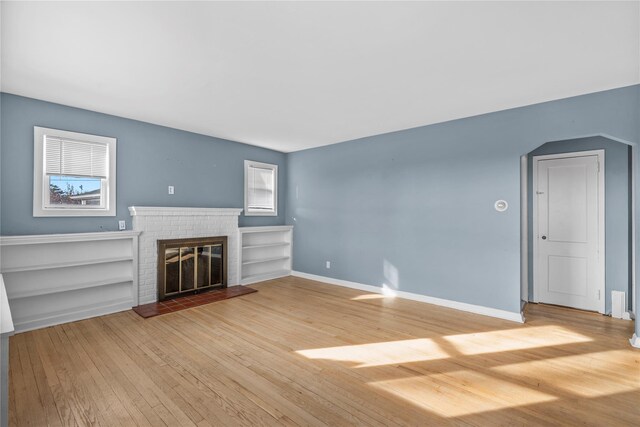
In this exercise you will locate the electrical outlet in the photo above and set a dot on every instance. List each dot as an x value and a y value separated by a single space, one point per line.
122 225
171 189
328 264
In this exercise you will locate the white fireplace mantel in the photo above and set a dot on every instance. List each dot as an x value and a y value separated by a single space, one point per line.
178 211
156 223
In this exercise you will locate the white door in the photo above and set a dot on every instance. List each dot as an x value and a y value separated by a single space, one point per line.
569 229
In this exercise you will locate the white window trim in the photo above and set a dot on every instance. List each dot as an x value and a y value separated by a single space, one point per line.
40 207
247 211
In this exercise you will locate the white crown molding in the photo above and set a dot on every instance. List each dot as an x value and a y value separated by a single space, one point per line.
181 211
470 308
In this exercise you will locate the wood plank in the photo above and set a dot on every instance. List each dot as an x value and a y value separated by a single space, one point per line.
47 399
73 380
301 352
106 400
26 386
48 363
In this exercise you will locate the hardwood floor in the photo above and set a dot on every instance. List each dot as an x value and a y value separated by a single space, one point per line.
300 352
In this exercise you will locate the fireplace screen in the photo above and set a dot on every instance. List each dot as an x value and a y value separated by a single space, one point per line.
191 265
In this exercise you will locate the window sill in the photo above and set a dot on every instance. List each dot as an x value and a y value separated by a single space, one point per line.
261 214
73 212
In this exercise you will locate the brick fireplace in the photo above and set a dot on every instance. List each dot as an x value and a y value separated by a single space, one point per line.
159 223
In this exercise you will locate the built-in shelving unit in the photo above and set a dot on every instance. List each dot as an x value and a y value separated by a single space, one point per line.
265 253
52 279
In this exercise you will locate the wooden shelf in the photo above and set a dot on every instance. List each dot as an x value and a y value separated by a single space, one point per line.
48 291
65 264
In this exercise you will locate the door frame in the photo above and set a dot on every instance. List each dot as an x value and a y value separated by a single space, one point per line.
601 220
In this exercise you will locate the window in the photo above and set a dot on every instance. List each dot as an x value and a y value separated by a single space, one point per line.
74 174
260 189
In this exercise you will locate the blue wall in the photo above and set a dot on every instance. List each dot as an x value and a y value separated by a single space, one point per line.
617 209
206 171
414 209
410 209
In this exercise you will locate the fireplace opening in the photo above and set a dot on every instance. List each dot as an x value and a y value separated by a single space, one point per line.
190 266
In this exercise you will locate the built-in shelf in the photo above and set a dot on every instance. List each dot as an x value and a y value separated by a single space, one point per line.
69 276
75 287
67 238
267 245
265 253
253 278
65 264
257 261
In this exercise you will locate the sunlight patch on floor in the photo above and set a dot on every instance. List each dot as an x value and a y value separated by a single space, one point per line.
370 296
382 353
585 374
439 394
385 292
514 339
424 349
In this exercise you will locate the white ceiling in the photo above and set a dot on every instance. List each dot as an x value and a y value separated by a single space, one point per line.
295 75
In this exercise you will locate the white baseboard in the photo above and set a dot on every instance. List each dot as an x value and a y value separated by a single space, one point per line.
471 308
635 341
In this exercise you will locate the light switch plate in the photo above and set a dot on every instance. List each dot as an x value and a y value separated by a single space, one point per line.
171 189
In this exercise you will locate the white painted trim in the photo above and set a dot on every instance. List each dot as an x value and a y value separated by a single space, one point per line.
635 341
66 238
634 175
470 308
601 218
181 211
135 284
40 208
524 231
251 163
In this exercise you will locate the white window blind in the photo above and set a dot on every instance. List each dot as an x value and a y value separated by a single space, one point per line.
75 158
261 189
